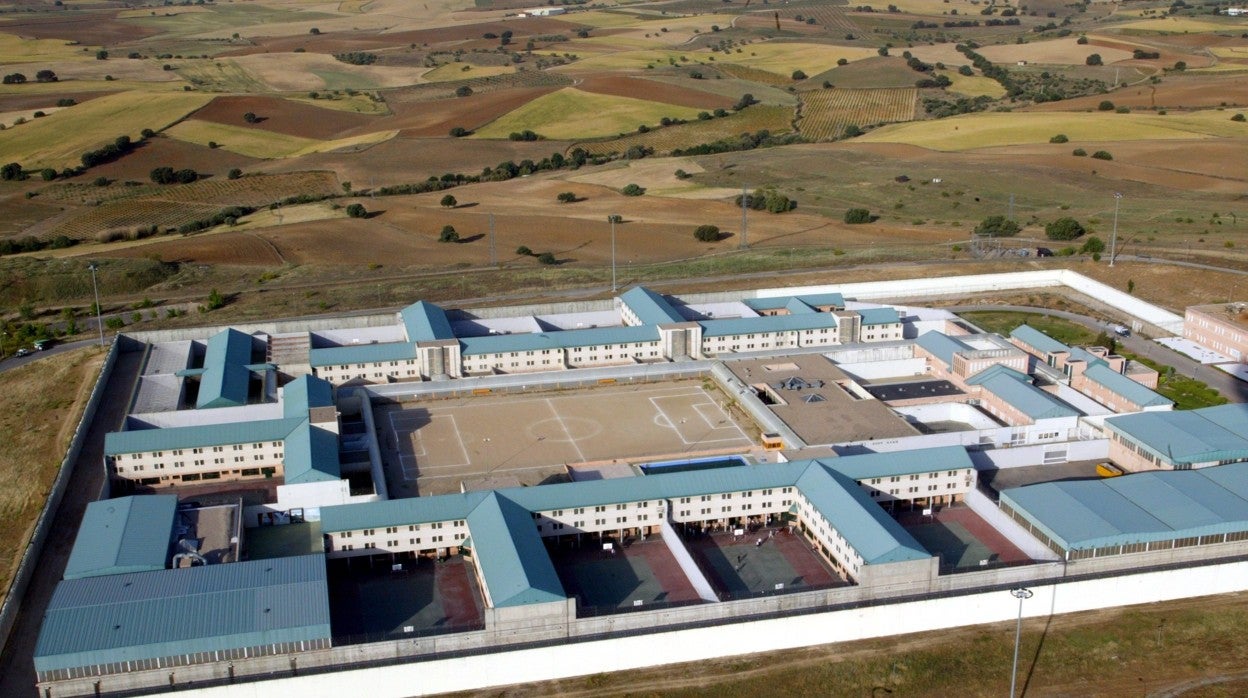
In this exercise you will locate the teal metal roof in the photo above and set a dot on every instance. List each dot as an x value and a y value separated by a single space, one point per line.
872 532
510 553
651 308
1137 508
1186 437
537 341
304 393
145 440
129 534
125 617
425 322
1016 389
226 376
1119 384
399 512
879 316
811 300
311 455
942 346
922 460
730 327
1038 340
362 354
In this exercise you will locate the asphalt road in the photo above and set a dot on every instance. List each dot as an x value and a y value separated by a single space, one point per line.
11 361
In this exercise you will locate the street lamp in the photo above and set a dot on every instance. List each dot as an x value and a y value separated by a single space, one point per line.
1019 593
612 218
1113 241
99 324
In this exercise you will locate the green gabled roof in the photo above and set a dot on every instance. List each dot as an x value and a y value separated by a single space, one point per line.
1015 389
144 440
871 531
226 376
729 327
304 393
509 550
1119 384
1185 437
425 322
362 354
399 512
942 346
168 613
128 534
811 300
1137 507
311 455
650 308
922 460
537 341
879 316
1037 340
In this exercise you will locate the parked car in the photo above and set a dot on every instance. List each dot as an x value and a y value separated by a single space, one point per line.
1121 330
41 344
1044 252
22 352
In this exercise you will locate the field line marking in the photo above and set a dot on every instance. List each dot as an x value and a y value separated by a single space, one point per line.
460 438
671 424
567 431
727 416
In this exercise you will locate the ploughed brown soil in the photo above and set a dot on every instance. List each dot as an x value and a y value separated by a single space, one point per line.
640 88
285 116
338 42
1188 92
87 28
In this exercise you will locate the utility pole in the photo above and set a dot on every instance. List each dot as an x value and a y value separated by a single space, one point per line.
612 218
1113 241
99 324
1020 593
745 235
493 248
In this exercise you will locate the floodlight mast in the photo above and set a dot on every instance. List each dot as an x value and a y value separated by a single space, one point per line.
1020 593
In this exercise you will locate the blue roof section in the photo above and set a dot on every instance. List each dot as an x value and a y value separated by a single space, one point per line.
729 327
1119 384
167 613
1190 436
942 346
812 300
129 534
872 532
537 341
879 316
1137 508
1016 390
796 306
311 455
226 376
1038 340
425 322
304 393
146 440
511 555
889 464
399 512
362 354
650 308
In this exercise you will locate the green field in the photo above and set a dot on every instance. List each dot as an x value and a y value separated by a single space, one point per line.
15 49
221 75
60 139
1003 322
571 114
758 117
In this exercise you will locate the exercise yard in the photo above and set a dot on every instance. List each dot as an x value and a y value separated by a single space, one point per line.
738 566
962 539
433 447
424 598
606 581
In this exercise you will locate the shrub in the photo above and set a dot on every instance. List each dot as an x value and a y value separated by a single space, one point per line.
547 258
1105 105
235 173
11 172
997 226
459 132
706 233
566 197
633 190
799 75
1079 152
856 216
1093 245
1102 155
524 251
1094 59
250 117
357 211
448 234
1059 138
1238 117
449 201
1064 229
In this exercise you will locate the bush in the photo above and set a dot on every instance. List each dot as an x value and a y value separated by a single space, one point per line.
1093 245
1238 117
1105 105
767 199
463 91
1059 138
459 132
235 173
11 172
449 201
633 190
1064 229
48 174
250 117
448 234
1094 59
799 75
857 216
357 211
524 251
1102 155
997 226
547 258
567 197
706 233
1079 152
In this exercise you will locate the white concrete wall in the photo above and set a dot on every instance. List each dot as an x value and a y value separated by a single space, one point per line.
874 370
621 654
1000 458
1008 527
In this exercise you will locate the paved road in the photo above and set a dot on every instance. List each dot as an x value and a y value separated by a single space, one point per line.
17 673
10 361
1230 387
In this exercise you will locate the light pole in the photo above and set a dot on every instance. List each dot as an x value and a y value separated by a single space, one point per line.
612 218
99 324
1019 593
1113 241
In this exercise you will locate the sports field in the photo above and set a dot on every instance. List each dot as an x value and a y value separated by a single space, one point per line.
422 598
767 560
432 448
962 539
644 571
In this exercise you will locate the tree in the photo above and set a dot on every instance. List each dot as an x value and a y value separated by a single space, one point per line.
524 251
11 172
314 31
706 233
1093 245
746 100
633 190
357 211
235 173
163 175
48 174
1105 105
615 218
1079 152
1059 138
547 258
997 227
448 234
1238 117
1082 41
185 176
449 201
45 75
1094 59
1064 229
799 75
1102 155
459 132
1180 65
463 91
567 197
857 216
851 131
14 79
250 117
101 55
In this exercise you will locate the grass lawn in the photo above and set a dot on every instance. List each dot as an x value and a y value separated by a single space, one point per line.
1187 393
1064 331
571 114
40 403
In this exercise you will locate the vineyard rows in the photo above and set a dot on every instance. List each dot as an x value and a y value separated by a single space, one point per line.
826 113
663 140
830 18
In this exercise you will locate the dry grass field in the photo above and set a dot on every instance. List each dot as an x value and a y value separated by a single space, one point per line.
42 403
777 120
573 114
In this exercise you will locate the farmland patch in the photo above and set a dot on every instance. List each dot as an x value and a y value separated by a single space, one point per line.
571 113
826 113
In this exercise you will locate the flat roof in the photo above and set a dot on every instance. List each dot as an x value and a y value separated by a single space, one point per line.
942 346
1186 437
